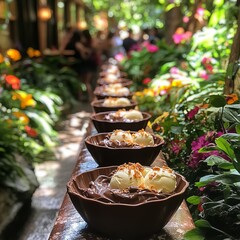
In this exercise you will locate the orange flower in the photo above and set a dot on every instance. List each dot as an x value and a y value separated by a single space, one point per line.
1 58
31 131
232 98
14 54
33 53
22 117
13 81
204 105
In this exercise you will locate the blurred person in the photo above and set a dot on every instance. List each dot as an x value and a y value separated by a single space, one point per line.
68 33
89 61
129 43
117 44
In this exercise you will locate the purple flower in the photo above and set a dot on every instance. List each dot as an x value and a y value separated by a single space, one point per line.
204 141
192 113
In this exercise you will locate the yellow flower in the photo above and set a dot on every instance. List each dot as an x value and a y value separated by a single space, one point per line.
30 52
162 117
25 99
33 53
1 58
14 54
22 117
177 83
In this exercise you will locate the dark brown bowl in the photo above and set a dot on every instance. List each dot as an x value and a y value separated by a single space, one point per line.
106 156
104 73
100 94
125 82
103 125
131 221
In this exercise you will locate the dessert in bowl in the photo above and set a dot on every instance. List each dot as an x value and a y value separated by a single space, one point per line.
129 201
132 120
111 79
119 146
113 104
112 90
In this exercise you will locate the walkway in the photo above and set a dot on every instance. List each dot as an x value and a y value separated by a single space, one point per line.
53 176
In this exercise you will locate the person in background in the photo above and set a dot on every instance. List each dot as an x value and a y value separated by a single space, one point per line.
129 43
68 33
117 44
89 61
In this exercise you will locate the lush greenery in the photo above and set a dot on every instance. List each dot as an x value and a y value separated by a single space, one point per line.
181 85
34 92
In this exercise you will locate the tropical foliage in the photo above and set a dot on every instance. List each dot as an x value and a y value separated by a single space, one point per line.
33 90
200 125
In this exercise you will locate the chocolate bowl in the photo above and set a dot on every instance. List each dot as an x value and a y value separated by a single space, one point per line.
98 106
107 156
103 125
118 220
100 93
125 82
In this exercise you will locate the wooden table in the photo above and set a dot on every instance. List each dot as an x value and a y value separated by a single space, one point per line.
69 224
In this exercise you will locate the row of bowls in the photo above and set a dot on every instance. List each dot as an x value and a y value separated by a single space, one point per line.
127 221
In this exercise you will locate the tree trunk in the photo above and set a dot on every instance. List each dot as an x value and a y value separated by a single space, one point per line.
173 20
232 81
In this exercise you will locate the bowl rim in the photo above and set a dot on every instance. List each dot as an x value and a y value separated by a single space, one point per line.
86 140
93 117
186 184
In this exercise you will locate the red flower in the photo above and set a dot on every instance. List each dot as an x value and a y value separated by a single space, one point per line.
30 131
146 80
200 208
13 81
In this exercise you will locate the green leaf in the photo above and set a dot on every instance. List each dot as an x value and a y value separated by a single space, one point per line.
195 200
217 101
225 146
207 149
227 178
215 160
202 223
194 234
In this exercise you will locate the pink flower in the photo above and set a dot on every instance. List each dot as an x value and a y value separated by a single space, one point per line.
180 36
206 60
146 80
176 148
200 11
119 57
163 92
185 19
174 70
203 74
191 114
152 48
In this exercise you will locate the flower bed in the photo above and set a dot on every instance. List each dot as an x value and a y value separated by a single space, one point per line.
33 91
182 87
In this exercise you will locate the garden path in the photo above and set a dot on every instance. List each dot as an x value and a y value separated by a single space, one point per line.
53 176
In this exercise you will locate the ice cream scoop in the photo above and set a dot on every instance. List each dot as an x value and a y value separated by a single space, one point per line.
111 78
127 175
121 136
132 115
160 180
122 102
143 138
